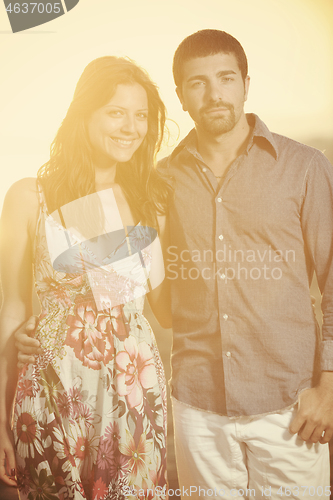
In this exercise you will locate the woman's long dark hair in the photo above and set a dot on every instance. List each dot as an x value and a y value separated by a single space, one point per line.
69 173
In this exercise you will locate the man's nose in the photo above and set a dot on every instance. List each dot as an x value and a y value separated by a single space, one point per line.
214 92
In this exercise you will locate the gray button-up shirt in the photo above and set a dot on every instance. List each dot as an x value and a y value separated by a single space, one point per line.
240 261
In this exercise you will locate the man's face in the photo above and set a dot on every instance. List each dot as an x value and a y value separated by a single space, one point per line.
213 92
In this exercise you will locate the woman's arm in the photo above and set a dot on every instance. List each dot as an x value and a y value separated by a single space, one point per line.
159 298
16 227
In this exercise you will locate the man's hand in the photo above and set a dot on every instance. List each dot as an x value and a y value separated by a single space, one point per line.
26 345
314 418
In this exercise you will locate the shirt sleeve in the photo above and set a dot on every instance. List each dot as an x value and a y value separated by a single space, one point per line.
317 226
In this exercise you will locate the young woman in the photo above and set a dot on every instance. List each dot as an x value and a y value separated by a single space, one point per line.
89 418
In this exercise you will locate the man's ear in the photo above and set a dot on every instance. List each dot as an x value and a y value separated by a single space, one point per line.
180 97
246 87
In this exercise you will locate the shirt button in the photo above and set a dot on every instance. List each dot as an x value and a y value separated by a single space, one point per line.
219 200
204 169
225 316
221 237
222 276
228 354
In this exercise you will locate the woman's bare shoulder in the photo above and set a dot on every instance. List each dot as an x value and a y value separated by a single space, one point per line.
23 186
24 189
22 197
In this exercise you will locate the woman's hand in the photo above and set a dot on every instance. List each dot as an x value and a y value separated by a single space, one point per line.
7 458
25 343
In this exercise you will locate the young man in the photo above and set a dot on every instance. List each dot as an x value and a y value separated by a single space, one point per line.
250 220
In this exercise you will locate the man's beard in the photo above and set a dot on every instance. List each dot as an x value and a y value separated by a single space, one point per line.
218 125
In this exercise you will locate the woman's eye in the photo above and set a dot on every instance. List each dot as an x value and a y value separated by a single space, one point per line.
142 116
115 113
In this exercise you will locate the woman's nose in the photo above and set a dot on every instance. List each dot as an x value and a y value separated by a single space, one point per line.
128 124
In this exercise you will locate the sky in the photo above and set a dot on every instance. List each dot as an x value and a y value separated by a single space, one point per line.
289 45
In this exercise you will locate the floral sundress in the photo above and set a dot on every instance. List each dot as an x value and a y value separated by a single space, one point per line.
89 417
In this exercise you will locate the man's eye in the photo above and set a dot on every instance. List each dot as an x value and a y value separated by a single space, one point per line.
198 84
227 79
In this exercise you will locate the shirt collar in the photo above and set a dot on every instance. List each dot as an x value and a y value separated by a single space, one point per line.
260 135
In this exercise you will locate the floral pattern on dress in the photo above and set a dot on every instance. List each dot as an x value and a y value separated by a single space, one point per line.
90 413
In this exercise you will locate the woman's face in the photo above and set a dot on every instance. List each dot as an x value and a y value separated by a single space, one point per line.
117 129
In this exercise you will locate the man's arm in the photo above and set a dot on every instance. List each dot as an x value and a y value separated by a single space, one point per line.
314 418
27 346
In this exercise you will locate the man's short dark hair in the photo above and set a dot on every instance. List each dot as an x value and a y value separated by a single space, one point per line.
207 43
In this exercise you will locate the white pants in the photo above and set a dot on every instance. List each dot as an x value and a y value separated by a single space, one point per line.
220 457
